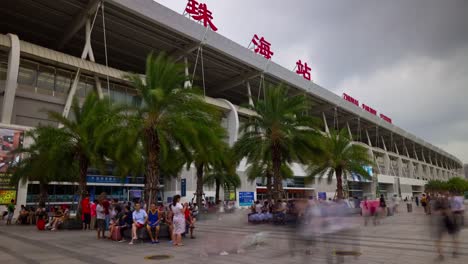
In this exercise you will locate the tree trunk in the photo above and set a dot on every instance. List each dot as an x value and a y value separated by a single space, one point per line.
269 186
199 191
277 180
43 194
83 164
218 187
339 183
152 167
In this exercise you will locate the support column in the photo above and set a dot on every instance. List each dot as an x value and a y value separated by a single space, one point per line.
327 130
387 164
375 176
400 167
11 79
87 52
233 123
411 169
419 170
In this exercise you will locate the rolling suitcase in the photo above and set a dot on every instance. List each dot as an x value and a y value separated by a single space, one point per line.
116 234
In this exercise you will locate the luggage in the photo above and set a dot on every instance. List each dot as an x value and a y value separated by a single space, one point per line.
116 234
40 224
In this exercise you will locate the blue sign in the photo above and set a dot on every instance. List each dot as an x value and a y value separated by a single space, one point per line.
246 198
105 179
322 196
183 187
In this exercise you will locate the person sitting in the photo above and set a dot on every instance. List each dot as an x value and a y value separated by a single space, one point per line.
41 218
58 220
125 222
115 221
153 223
23 217
139 220
31 216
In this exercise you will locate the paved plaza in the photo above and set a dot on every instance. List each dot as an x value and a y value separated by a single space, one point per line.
403 238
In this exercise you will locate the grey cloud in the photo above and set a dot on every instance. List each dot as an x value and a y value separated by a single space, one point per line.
409 58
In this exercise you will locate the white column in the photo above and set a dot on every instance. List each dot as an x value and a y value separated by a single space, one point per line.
400 167
420 171
411 169
11 79
387 164
233 123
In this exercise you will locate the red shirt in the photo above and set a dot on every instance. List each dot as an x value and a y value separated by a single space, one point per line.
85 206
187 214
93 209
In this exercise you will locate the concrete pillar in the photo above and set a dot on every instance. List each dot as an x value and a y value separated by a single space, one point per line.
411 169
11 79
374 180
387 164
419 170
400 167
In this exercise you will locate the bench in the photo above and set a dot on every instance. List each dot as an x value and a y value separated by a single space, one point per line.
143 234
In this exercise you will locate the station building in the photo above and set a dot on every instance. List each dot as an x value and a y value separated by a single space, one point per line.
51 51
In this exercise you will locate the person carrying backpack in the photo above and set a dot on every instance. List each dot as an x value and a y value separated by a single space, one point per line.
424 203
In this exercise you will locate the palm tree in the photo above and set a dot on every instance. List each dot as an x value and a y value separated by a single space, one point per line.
91 134
340 157
264 171
210 156
279 133
48 158
169 116
223 174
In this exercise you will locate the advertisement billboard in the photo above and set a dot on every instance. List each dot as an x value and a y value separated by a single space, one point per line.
10 140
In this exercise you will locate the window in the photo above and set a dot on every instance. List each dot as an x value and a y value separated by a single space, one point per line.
63 81
46 78
3 71
85 86
118 93
27 73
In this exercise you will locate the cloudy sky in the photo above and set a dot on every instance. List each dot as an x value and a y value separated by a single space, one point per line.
406 58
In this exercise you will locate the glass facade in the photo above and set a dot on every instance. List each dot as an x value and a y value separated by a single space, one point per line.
46 79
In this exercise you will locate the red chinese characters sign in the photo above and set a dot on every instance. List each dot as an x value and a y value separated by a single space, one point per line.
369 109
386 118
262 47
303 69
200 12
350 99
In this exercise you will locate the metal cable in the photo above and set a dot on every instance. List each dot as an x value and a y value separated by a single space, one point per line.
105 50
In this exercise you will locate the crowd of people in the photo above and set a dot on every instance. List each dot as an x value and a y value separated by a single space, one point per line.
115 218
44 218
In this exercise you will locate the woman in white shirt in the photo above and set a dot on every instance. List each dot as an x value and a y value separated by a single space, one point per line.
179 221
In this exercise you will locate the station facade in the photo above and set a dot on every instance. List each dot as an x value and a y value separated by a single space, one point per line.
44 65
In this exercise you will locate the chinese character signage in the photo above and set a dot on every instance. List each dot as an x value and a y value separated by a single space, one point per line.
369 109
201 13
386 118
366 107
262 47
350 99
303 69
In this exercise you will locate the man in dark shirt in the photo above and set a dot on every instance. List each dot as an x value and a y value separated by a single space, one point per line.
125 222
